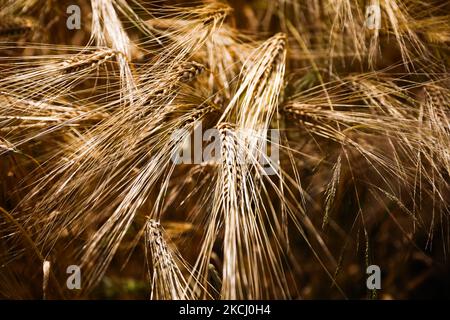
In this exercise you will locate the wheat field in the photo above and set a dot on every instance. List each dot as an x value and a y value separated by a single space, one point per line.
224 149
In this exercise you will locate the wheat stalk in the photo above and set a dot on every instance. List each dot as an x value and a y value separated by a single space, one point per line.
168 282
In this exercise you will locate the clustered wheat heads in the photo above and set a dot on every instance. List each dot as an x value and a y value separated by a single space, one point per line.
93 122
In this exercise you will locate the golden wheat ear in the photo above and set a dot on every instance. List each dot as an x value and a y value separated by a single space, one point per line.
108 31
53 77
167 280
25 120
244 228
238 215
193 27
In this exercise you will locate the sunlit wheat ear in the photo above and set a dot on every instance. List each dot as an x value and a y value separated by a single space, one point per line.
437 95
249 259
35 88
22 120
108 31
183 41
88 61
232 179
193 26
52 77
167 280
169 84
256 99
331 191
262 78
251 251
